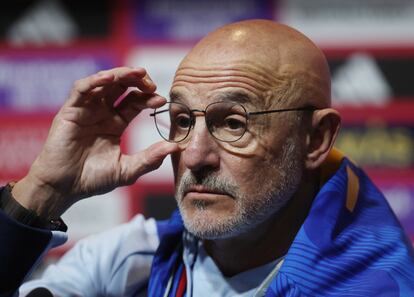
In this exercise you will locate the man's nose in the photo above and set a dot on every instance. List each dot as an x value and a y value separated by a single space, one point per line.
201 151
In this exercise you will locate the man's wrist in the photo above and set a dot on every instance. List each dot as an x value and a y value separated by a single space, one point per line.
37 197
18 212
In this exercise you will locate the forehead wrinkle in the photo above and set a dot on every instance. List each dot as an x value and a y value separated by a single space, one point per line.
238 96
282 82
284 86
249 70
224 85
222 82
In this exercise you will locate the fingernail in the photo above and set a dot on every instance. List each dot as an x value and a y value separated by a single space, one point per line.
148 81
160 97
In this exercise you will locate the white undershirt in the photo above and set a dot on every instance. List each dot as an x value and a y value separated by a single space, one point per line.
208 281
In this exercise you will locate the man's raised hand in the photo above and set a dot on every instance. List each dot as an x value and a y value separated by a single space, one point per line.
81 156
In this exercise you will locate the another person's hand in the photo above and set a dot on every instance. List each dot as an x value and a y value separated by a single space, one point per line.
82 155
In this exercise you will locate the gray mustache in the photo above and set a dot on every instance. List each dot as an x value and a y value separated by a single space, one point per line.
211 182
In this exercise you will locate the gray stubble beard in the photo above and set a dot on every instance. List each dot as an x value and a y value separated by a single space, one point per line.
270 196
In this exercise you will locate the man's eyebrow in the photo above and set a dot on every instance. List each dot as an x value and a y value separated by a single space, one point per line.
235 96
175 96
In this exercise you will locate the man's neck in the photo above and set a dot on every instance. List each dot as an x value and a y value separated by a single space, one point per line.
266 242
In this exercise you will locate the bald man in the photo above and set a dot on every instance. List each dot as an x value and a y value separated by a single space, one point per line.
267 207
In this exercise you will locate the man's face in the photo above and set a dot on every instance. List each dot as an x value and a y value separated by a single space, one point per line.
226 189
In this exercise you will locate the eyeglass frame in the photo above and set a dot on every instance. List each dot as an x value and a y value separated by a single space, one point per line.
247 113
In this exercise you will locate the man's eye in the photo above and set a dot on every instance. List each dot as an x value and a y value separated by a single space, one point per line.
182 121
233 123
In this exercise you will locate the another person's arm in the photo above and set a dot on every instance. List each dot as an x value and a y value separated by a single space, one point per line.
116 262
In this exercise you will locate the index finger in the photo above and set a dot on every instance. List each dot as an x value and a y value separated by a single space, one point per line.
119 78
133 77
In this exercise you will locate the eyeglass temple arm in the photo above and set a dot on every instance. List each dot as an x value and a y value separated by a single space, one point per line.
153 114
307 108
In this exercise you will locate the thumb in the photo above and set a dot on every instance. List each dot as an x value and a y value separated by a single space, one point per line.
134 166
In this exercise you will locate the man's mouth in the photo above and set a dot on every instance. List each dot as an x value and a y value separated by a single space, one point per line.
199 191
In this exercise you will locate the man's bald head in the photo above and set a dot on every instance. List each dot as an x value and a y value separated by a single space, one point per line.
293 69
262 66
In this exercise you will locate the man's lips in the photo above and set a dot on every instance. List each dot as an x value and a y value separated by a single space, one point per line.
200 191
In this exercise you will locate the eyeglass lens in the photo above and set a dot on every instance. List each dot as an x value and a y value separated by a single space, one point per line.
226 121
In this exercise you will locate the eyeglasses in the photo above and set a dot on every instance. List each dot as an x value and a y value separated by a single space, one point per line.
226 121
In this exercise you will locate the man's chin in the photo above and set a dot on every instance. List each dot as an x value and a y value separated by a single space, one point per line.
208 224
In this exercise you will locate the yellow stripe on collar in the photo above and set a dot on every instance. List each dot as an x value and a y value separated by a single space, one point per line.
352 189
330 166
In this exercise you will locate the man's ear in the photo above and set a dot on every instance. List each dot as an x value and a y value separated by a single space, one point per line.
325 127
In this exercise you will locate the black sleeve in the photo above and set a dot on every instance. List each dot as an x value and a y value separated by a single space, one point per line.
20 247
